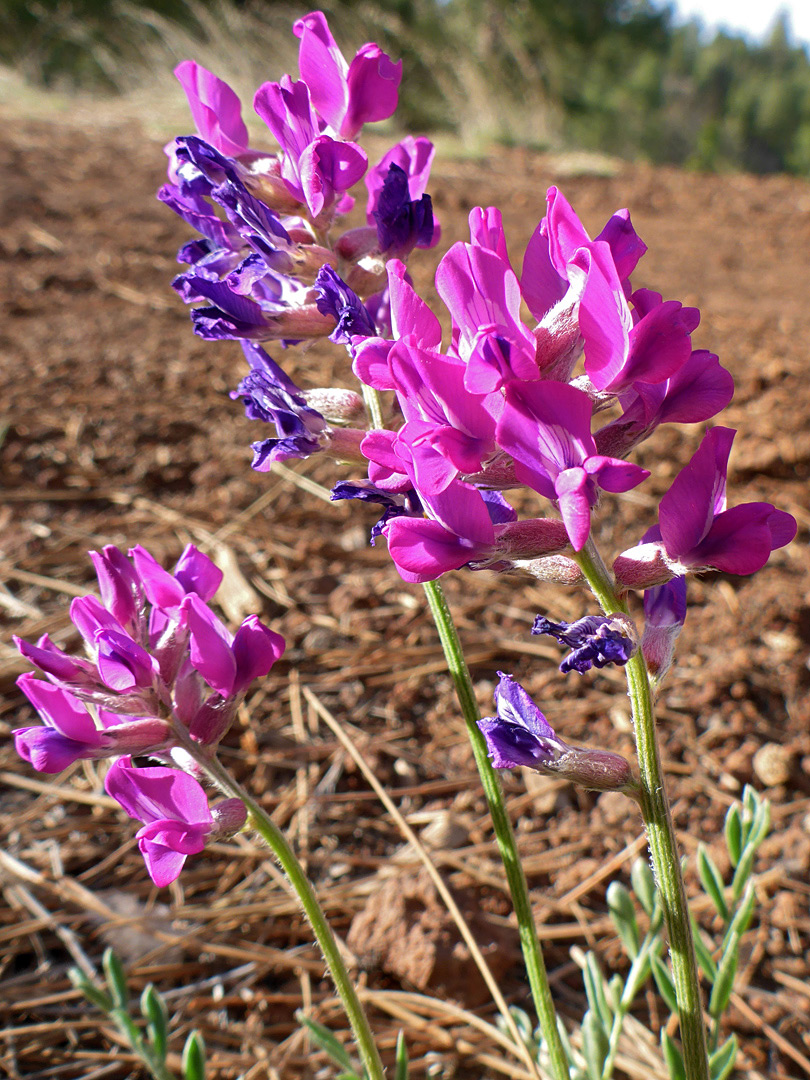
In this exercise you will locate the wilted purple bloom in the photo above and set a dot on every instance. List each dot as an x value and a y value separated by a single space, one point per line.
394 504
300 427
341 303
174 809
402 223
665 614
595 641
521 735
345 95
215 108
696 532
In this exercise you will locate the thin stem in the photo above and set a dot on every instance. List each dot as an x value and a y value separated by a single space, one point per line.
660 833
277 843
373 406
532 954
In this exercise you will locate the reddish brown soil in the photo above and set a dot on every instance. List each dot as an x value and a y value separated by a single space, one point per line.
120 430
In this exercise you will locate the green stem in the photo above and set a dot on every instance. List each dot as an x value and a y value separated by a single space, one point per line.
660 833
277 843
373 402
532 954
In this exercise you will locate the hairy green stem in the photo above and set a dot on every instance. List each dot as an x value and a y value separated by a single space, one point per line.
660 832
532 954
277 843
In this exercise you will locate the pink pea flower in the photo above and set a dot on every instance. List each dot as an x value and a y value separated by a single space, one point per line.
697 532
546 427
345 95
316 168
483 295
215 108
69 733
174 809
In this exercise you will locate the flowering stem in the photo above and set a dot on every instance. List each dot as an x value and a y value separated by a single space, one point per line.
532 953
660 832
277 843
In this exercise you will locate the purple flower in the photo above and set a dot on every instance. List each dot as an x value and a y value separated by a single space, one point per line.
696 532
665 614
546 427
315 168
300 428
339 302
483 296
696 392
68 732
174 809
160 658
345 95
415 157
215 108
521 735
595 641
402 223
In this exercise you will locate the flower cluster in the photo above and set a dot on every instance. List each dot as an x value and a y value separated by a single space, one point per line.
266 219
556 404
162 673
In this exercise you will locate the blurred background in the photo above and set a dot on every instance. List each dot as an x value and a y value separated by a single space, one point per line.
691 83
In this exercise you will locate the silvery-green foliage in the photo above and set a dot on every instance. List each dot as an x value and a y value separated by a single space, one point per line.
150 1045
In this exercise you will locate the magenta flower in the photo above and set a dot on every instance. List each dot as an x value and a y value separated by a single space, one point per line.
696 532
167 650
215 108
316 168
174 809
546 427
68 732
345 95
482 293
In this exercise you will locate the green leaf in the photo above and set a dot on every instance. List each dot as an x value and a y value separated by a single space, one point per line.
193 1063
94 994
721 1062
154 1010
734 834
643 882
523 1023
623 912
324 1038
673 1058
116 978
724 983
401 1058
595 1044
129 1029
703 953
756 823
615 990
596 991
663 980
744 913
712 881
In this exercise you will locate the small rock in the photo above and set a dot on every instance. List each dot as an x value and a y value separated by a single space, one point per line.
772 764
